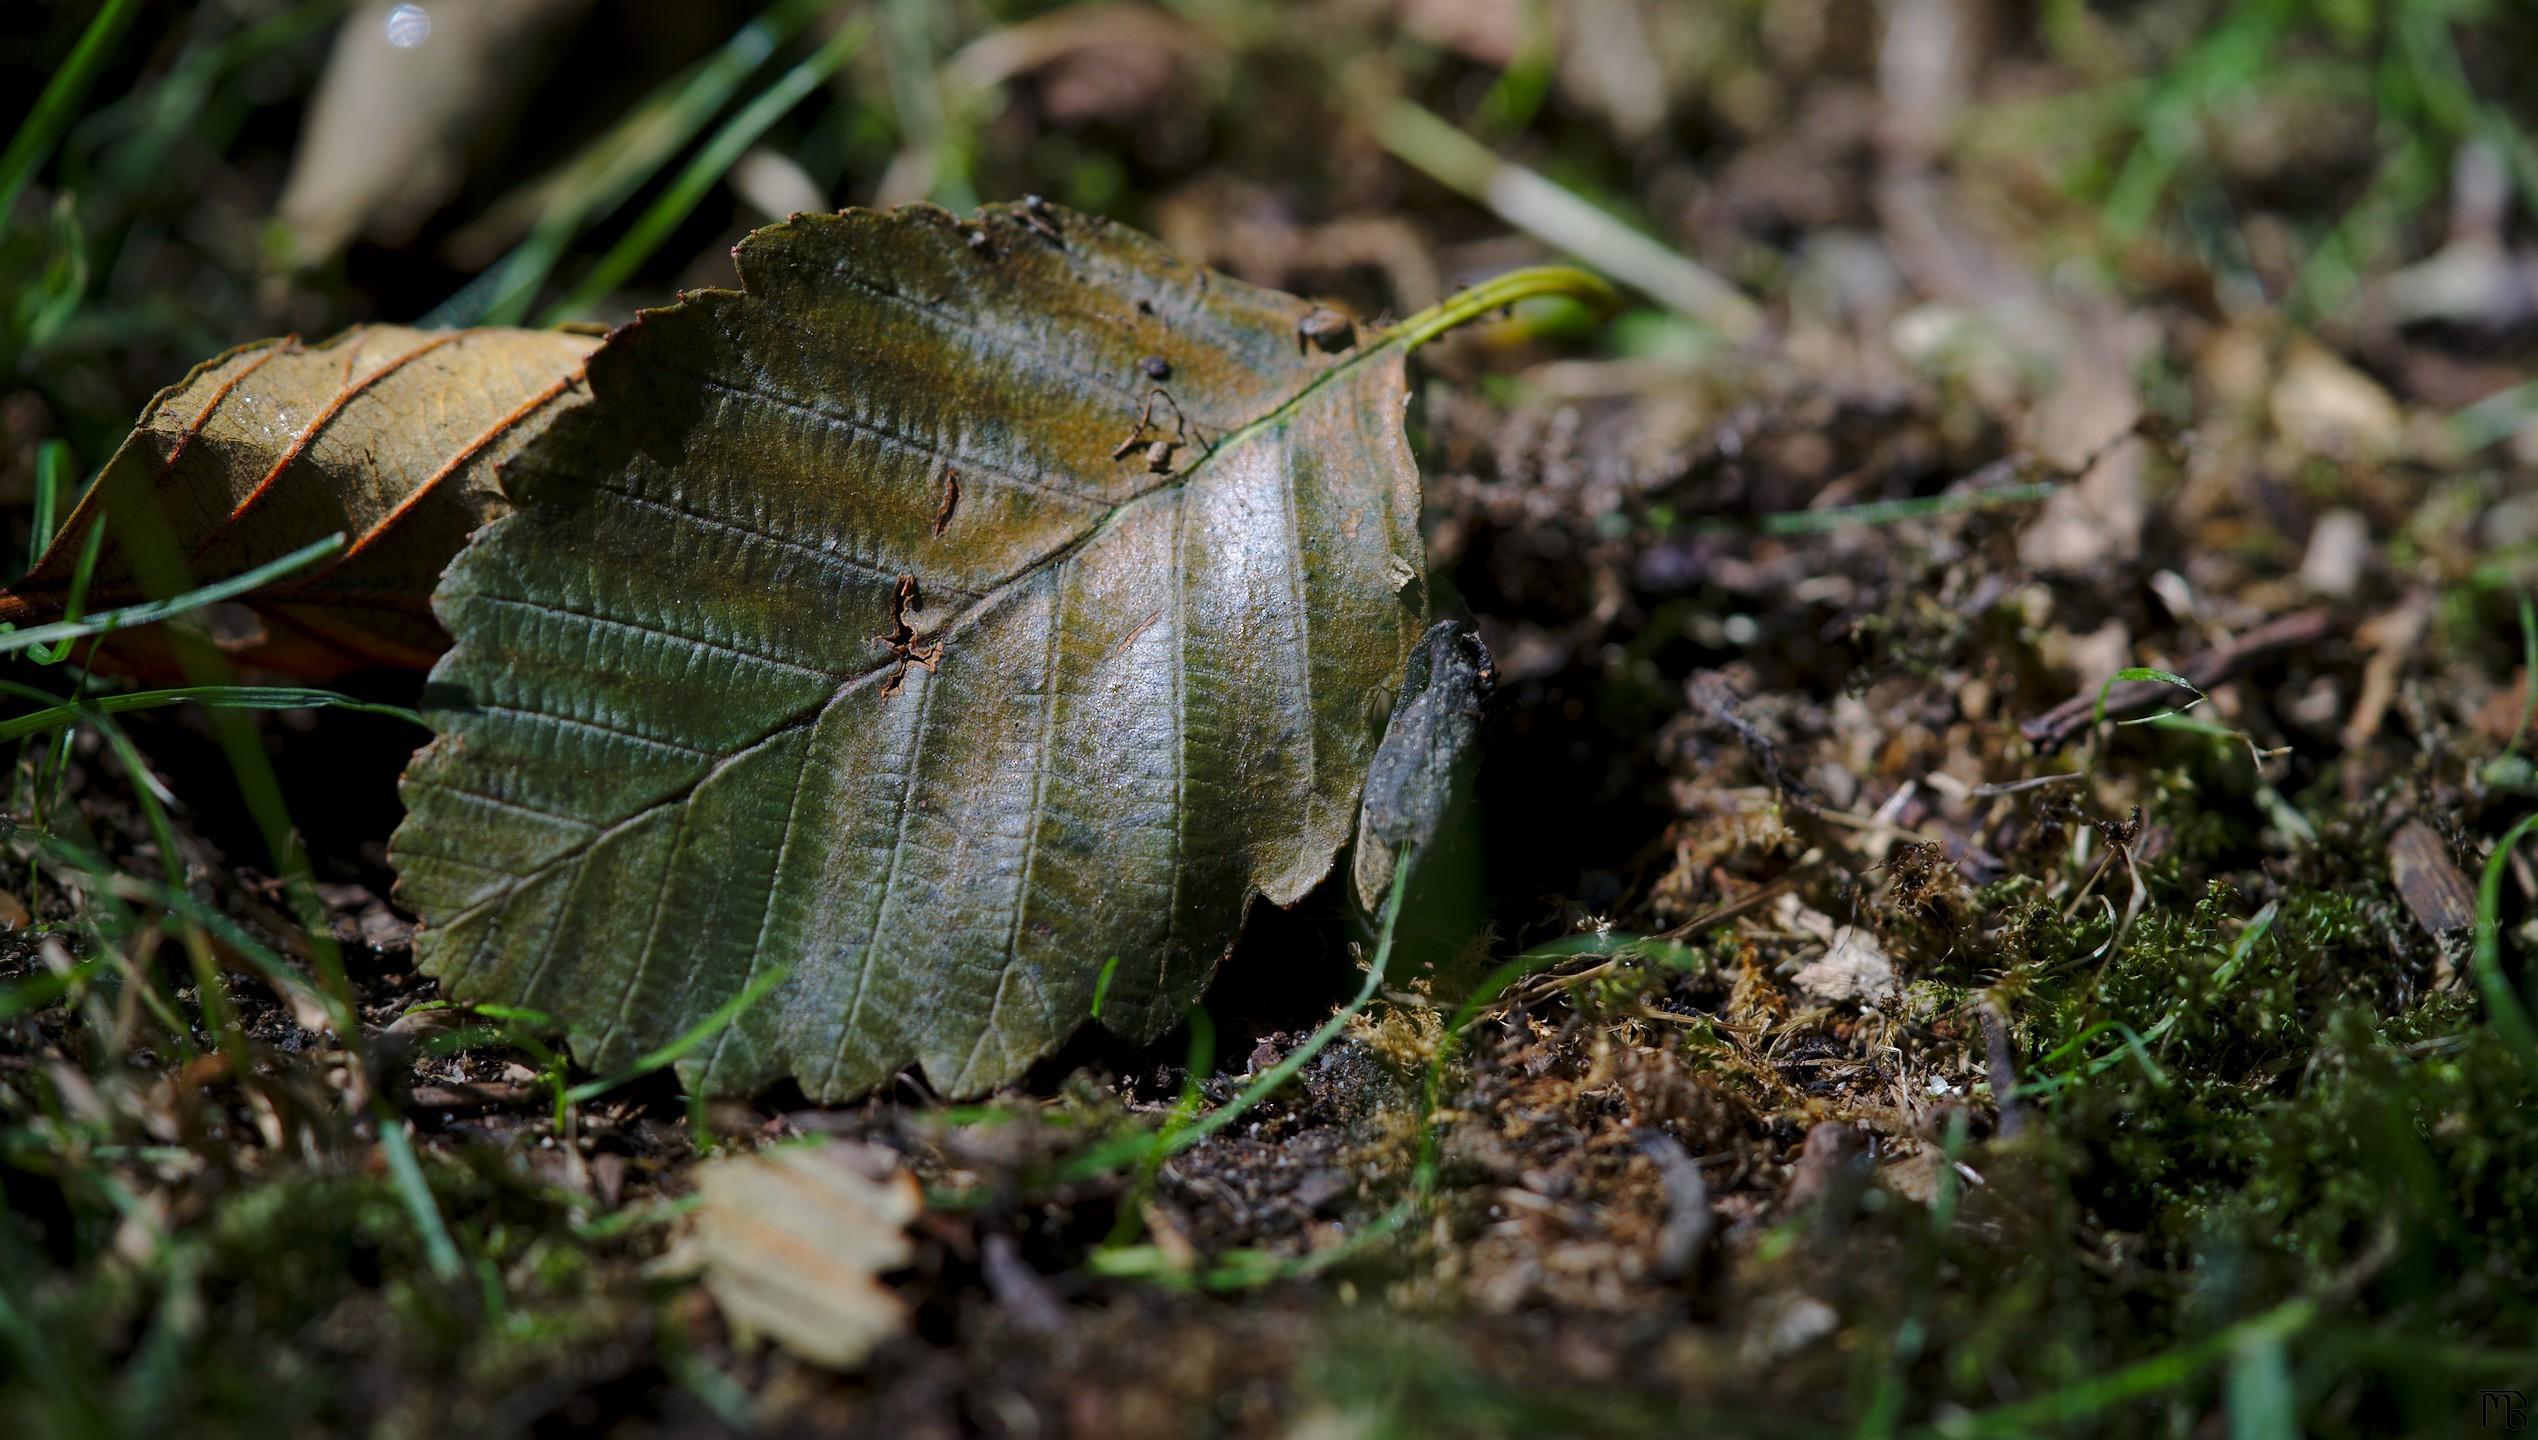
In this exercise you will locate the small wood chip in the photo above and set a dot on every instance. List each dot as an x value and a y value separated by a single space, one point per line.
2433 888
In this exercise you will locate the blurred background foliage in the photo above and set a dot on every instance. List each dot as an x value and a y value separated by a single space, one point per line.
200 174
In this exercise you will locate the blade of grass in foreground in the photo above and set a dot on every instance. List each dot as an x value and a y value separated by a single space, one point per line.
148 795
39 991
2049 1413
52 478
2135 1045
233 697
1175 1139
2528 673
2264 1401
2146 673
416 1191
2503 1007
2494 419
154 611
1244 1268
251 767
1279 1074
685 1044
75 604
201 923
1495 986
1195 1066
2219 64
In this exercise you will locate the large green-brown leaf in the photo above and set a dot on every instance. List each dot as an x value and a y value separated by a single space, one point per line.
858 626
387 436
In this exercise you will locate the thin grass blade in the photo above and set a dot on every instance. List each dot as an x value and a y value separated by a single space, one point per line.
705 171
151 612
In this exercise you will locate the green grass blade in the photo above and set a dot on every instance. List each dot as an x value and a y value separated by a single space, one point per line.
1265 1085
52 481
103 922
151 612
43 126
81 574
153 801
232 697
685 1044
270 967
2058 1410
1101 987
917 102
706 170
416 1191
2528 673
2135 1045
1244 1268
1197 1063
63 1378
2264 1403
2503 1007
1492 986
519 1015
42 991
1888 512
123 149
2494 419
609 171
2145 672
2223 62
1105 1158
2248 939
1563 220
242 745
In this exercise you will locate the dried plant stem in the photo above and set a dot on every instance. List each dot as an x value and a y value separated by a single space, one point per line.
1558 218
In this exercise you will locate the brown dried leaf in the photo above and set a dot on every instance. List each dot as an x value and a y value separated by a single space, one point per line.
386 435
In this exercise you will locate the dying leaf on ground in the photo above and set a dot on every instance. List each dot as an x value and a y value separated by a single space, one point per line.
385 435
792 1242
954 607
